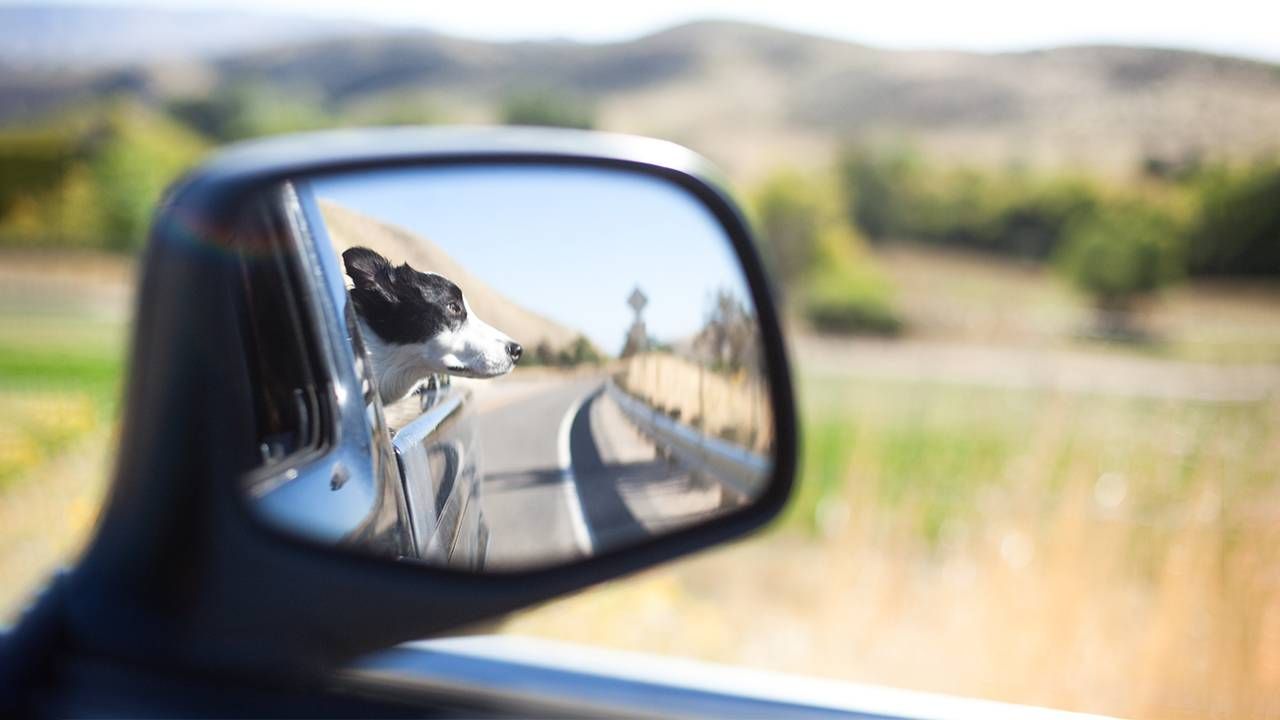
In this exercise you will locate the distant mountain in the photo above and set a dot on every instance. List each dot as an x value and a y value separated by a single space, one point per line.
753 97
69 37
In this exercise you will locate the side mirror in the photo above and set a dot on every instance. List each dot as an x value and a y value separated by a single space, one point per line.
386 383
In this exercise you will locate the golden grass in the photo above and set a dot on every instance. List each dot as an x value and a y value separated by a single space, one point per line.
1100 554
1109 555
62 328
46 515
39 426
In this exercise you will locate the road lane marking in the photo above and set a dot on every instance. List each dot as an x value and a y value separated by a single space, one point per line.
577 518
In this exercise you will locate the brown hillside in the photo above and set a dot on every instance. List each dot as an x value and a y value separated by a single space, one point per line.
753 97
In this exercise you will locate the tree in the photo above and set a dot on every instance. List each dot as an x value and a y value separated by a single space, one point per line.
729 339
542 354
790 215
822 258
1118 255
548 108
251 109
137 154
875 186
1237 231
582 351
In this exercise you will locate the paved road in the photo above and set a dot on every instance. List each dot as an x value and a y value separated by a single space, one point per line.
566 474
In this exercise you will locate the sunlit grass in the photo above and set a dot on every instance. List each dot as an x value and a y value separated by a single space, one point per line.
1112 554
1106 554
944 449
62 335
49 398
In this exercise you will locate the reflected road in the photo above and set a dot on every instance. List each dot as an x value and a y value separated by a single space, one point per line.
567 475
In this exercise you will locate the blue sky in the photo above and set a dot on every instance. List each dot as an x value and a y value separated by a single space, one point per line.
568 243
1239 27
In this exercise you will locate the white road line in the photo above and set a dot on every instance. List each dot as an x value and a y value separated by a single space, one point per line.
581 531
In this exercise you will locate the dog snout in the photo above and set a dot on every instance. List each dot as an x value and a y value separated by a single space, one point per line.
514 350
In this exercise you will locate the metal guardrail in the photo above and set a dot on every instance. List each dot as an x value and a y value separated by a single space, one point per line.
741 471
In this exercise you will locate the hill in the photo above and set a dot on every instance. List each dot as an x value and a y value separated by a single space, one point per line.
46 36
753 97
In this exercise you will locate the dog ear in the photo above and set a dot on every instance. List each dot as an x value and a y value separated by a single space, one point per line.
366 268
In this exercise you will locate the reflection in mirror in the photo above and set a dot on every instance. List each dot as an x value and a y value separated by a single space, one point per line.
562 361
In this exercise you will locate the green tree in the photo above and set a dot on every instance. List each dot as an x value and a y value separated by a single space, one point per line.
251 109
93 176
825 265
138 153
548 108
33 162
1237 228
874 185
542 354
790 215
582 351
1121 254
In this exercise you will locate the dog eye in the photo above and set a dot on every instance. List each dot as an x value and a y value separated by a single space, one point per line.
454 308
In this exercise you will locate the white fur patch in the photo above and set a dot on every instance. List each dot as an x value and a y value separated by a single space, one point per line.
476 349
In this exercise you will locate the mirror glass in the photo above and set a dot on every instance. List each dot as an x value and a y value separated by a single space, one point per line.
515 365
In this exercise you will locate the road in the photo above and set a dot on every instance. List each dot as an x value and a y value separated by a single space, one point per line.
566 475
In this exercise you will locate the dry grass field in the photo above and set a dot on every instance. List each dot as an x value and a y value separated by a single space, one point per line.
1053 542
1115 555
62 332
995 507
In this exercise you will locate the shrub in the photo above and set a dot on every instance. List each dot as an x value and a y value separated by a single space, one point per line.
790 215
1119 254
582 351
893 194
541 355
830 275
32 162
842 303
1237 229
875 187
140 152
92 183
549 108
249 109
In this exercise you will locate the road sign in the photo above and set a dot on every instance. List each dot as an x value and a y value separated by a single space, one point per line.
637 301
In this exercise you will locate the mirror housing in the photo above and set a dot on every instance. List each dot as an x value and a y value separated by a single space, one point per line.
179 572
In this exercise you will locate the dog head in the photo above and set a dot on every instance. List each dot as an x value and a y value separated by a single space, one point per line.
424 320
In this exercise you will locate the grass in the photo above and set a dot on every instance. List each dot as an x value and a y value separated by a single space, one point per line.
1082 551
941 447
53 394
62 331
1101 554
968 297
1112 554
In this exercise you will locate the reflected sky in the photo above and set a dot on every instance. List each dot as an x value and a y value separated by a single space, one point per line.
567 243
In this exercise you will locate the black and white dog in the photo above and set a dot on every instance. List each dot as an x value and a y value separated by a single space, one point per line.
415 324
